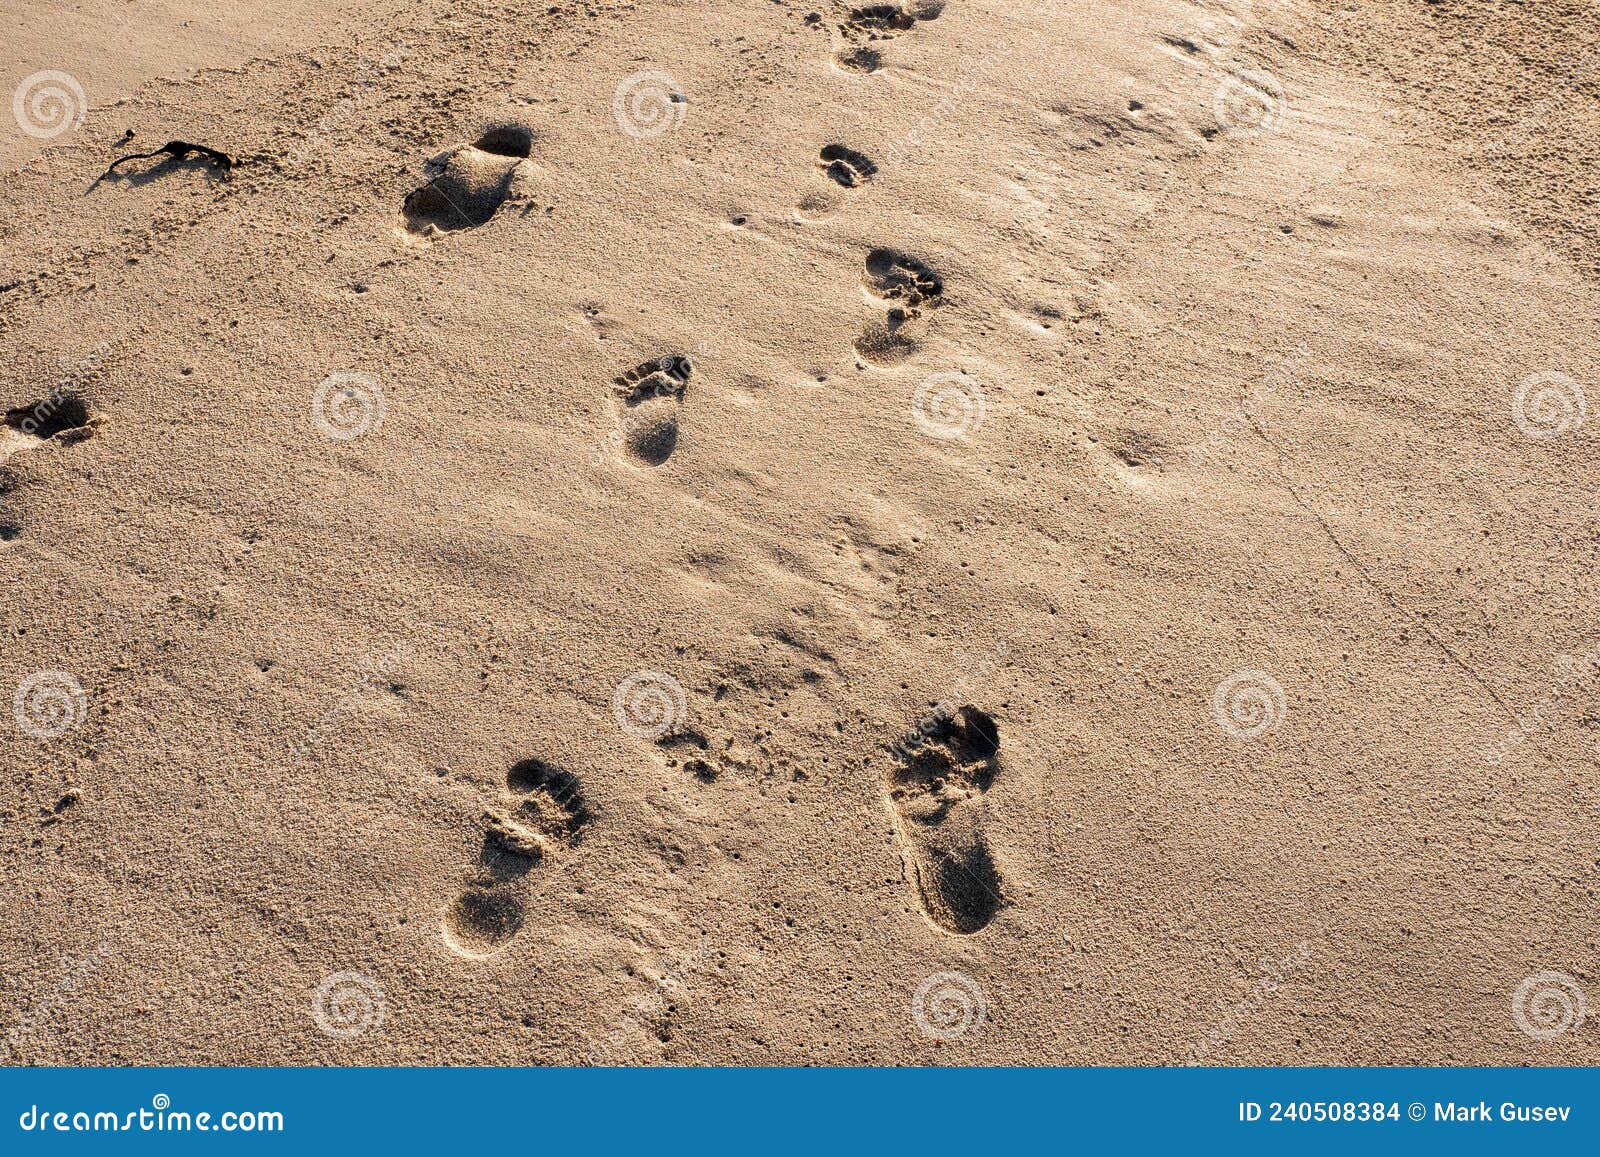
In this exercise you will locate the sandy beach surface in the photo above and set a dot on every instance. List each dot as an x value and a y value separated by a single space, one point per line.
771 532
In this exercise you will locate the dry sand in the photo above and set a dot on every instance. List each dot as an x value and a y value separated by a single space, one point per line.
708 533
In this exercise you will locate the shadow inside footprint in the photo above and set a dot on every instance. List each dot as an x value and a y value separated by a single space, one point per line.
63 416
879 20
482 919
650 394
467 184
943 767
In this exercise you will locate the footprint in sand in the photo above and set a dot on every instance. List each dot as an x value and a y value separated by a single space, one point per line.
883 21
846 166
878 22
650 395
937 785
468 183
61 416
544 815
908 288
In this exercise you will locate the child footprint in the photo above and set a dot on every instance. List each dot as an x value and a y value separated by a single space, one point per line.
906 287
942 770
845 165
650 394
545 815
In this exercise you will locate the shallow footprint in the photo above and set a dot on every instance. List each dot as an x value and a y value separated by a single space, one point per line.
468 183
650 394
936 788
546 814
858 59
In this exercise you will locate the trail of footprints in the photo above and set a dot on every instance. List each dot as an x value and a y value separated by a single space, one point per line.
941 770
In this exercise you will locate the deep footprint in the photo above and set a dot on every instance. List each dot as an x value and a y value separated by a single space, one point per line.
468 183
546 814
942 770
650 394
846 166
63 416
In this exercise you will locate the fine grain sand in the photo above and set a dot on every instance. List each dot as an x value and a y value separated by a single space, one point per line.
761 532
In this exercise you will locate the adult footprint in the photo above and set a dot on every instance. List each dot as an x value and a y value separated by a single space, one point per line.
936 787
544 815
468 183
846 166
650 395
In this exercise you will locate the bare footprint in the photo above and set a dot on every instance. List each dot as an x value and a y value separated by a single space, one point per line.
909 288
846 166
61 416
883 21
468 183
650 395
936 787
544 815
